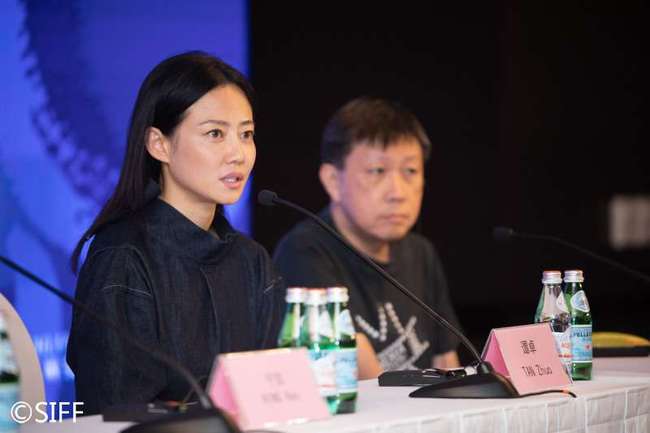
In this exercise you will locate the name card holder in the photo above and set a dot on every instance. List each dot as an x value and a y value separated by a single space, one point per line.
266 388
528 356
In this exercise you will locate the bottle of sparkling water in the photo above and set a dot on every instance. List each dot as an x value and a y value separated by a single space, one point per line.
552 308
9 380
581 345
290 333
317 336
347 372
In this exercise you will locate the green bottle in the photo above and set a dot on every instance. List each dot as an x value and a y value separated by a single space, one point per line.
347 372
9 380
581 325
290 332
317 336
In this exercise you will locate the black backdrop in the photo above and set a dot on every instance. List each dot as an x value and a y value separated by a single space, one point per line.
537 113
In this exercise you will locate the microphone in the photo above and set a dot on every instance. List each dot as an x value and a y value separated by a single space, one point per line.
267 198
190 422
486 383
506 234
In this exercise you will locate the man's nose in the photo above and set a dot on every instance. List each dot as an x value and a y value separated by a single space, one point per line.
396 187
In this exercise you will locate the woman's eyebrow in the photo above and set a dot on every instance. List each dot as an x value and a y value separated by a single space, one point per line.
224 123
216 122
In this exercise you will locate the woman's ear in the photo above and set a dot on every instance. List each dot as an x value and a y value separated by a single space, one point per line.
157 144
330 176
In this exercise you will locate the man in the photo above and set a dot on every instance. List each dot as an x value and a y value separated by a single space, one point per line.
372 167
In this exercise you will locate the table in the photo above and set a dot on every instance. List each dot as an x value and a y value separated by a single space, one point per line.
616 400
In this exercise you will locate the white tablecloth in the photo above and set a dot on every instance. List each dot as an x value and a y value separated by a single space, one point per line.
616 400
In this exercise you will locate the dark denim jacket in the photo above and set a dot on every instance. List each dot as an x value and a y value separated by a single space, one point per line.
173 286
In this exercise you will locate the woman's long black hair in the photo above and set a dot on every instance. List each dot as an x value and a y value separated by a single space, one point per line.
170 88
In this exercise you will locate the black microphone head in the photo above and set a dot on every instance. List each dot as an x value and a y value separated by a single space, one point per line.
503 233
266 197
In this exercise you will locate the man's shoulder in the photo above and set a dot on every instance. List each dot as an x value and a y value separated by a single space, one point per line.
309 256
306 235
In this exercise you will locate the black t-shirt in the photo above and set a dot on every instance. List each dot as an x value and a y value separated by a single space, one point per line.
400 332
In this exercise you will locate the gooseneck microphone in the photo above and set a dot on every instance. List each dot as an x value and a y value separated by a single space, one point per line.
486 383
185 423
507 234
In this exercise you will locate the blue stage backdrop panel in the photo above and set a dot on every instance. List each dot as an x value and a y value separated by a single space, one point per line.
69 75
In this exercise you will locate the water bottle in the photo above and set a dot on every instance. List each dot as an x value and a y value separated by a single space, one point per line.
317 336
347 372
552 308
290 332
581 325
9 380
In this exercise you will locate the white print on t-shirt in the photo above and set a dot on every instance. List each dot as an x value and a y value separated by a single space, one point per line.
405 350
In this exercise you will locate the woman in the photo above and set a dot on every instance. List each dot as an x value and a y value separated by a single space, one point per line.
164 263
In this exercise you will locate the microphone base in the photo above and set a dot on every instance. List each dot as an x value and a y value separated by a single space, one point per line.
196 421
424 377
480 385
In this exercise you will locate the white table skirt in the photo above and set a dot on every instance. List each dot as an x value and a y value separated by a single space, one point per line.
616 400
606 404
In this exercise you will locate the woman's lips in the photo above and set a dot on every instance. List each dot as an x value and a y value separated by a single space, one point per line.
233 180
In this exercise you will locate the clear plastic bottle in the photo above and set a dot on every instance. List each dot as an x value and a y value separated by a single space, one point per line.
552 308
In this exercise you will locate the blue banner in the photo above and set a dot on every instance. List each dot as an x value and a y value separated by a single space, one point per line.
69 75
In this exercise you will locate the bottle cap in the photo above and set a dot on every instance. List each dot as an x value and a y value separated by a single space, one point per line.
296 295
574 276
316 296
337 294
551 277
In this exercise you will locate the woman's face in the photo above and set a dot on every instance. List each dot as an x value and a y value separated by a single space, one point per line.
212 151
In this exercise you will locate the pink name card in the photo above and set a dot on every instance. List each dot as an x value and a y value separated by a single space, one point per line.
266 388
528 356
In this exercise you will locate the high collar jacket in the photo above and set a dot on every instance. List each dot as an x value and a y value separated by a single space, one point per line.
188 292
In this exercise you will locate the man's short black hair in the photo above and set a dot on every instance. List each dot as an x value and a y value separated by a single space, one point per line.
372 121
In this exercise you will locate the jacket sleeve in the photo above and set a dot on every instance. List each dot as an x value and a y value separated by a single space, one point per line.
108 369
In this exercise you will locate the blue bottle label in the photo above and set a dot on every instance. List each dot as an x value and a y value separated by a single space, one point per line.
579 302
581 348
346 370
322 364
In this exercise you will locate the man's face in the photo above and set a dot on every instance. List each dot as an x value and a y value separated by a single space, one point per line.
380 190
